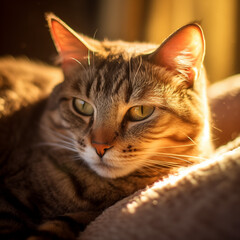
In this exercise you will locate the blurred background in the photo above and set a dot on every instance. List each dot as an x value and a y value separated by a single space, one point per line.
24 29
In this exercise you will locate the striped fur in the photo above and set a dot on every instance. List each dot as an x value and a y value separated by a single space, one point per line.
52 181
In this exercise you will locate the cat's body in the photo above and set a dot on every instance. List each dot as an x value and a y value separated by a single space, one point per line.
117 123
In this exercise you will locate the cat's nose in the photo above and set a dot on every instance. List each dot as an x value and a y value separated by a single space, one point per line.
101 148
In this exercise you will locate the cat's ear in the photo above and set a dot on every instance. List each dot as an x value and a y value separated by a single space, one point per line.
70 45
182 52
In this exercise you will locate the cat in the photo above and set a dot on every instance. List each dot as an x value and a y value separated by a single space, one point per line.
121 116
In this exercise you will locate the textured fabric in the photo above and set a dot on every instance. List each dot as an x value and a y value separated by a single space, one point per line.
201 202
224 100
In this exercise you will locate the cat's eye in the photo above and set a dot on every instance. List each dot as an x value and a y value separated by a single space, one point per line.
139 113
82 107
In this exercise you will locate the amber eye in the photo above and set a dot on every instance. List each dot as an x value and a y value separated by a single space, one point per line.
82 107
139 113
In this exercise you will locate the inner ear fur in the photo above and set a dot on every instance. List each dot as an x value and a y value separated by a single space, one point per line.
183 52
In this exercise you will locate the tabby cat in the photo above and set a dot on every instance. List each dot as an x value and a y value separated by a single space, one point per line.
125 115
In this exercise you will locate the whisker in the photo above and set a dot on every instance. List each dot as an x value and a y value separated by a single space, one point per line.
152 164
181 155
70 144
158 165
77 158
130 70
177 146
215 139
79 63
144 171
149 168
140 64
175 154
157 161
58 134
58 146
162 161
175 157
189 138
94 35
218 129
61 141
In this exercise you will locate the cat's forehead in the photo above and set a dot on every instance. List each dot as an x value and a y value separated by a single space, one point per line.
120 79
126 49
113 80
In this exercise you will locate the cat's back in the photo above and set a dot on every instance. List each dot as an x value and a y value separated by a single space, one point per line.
23 82
24 86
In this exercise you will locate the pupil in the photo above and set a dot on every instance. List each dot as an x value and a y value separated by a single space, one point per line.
83 105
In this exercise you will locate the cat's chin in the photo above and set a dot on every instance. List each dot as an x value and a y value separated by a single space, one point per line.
105 167
109 171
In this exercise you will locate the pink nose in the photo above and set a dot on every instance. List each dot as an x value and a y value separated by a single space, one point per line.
101 148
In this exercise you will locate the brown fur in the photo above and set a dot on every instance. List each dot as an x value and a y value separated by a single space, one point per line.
53 182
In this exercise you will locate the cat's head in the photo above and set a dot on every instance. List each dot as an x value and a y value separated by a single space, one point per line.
129 106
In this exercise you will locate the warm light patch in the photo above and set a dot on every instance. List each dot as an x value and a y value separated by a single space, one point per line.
152 194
